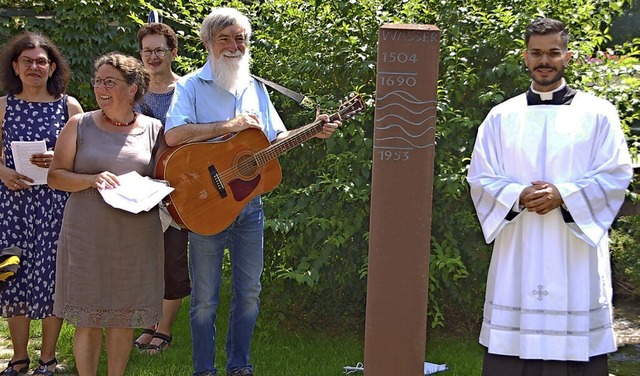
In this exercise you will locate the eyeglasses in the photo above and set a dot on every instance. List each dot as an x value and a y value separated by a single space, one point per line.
108 82
160 52
27 62
553 54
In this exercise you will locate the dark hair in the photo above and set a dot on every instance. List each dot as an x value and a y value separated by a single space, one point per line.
545 26
132 69
158 29
56 84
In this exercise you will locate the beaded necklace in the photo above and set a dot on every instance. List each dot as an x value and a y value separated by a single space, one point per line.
117 123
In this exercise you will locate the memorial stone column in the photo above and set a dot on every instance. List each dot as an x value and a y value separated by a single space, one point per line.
401 195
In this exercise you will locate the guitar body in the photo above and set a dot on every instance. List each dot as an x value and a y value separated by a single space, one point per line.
214 180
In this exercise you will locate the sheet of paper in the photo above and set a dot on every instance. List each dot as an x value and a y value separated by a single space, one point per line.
22 152
135 193
431 368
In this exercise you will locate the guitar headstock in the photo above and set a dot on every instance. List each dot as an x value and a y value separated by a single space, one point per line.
351 107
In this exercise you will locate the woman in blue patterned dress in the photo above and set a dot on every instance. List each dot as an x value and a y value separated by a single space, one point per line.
158 49
34 74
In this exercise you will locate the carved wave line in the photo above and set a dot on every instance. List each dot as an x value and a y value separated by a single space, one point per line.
402 94
406 108
405 120
405 140
392 147
405 131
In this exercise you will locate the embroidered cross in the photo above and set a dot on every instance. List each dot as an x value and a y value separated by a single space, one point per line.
540 292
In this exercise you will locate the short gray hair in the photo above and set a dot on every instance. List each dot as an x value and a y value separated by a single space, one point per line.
221 18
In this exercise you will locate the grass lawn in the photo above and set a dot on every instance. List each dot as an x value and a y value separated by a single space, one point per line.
286 353
274 352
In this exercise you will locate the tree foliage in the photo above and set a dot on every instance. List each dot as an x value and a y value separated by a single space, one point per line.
318 218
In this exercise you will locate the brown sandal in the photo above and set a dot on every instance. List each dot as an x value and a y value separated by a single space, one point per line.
43 368
12 371
152 349
142 346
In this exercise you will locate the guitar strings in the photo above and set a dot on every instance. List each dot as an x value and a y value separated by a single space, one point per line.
248 166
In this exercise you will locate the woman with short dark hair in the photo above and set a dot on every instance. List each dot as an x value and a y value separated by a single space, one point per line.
158 49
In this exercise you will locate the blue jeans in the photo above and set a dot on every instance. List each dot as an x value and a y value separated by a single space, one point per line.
244 239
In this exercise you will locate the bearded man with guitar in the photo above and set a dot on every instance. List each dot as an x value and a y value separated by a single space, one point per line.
222 98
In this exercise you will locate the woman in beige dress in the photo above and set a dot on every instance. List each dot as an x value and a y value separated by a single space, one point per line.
102 249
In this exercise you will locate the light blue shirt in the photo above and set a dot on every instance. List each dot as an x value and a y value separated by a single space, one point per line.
198 100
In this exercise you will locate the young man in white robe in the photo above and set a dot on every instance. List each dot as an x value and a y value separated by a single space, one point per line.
548 174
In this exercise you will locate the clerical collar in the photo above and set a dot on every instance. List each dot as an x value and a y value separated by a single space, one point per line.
562 95
548 95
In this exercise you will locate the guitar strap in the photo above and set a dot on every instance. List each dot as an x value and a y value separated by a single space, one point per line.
301 99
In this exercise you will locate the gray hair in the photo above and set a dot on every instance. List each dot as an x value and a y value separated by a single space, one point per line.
221 18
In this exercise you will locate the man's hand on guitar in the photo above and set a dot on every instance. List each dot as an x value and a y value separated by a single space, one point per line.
329 126
242 122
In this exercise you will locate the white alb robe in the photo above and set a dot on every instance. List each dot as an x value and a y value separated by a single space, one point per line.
549 284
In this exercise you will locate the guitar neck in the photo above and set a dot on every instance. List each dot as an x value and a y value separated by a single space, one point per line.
296 138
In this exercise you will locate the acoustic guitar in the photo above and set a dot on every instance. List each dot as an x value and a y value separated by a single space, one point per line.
214 180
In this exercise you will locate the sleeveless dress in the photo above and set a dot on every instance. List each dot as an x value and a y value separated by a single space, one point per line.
155 105
176 265
31 218
110 261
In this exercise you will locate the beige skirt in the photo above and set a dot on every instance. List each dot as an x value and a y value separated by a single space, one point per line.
109 265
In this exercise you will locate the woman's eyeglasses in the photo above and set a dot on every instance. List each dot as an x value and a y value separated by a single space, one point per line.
160 52
107 82
27 62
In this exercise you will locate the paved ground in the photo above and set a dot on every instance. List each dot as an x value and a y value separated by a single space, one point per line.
627 326
6 352
627 323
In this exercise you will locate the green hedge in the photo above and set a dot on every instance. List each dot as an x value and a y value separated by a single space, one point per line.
318 218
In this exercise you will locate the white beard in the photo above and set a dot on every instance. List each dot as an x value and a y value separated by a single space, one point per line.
229 72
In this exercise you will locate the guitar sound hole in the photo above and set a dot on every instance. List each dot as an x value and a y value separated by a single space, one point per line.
246 167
